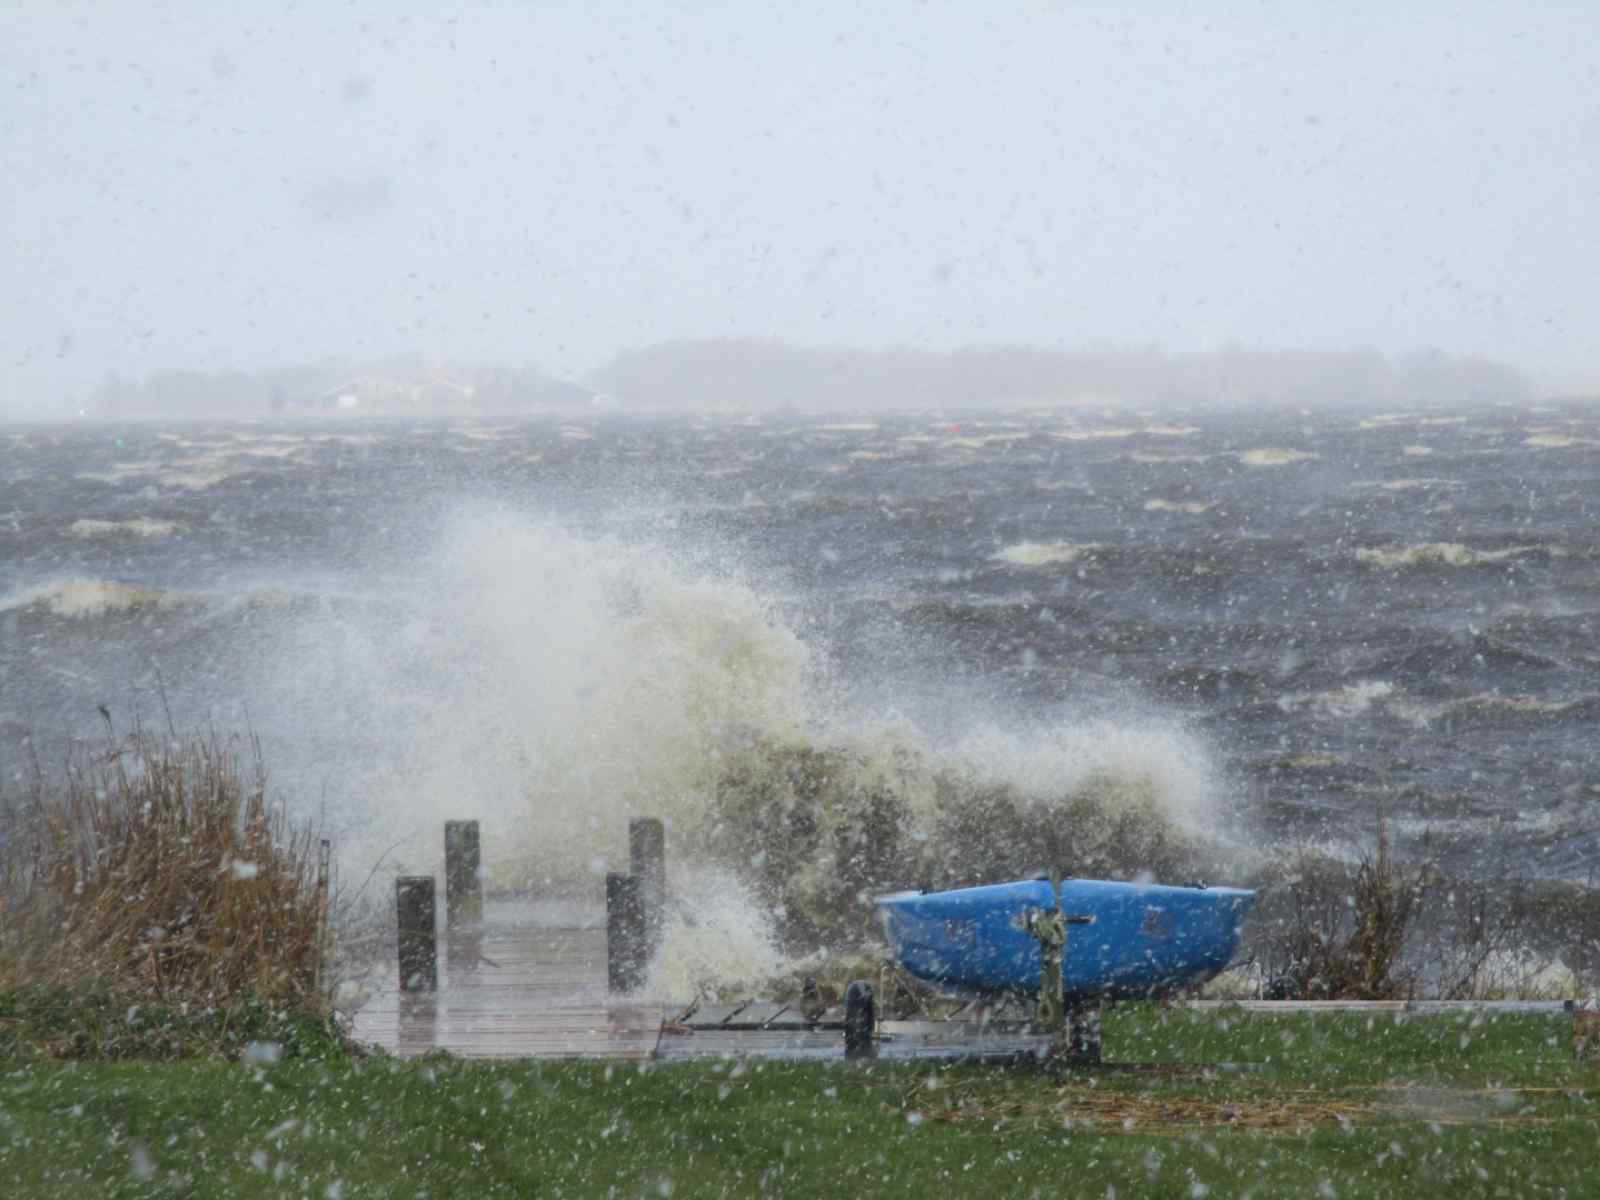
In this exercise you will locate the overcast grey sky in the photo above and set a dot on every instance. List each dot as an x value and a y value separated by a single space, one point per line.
208 185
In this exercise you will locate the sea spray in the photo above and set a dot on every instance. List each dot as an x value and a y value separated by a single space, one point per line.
716 937
549 685
552 686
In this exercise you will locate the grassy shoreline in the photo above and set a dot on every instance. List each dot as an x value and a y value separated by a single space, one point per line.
1457 1105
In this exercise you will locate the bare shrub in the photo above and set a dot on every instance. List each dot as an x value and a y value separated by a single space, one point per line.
1342 933
163 871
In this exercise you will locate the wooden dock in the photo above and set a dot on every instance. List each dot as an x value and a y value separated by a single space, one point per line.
538 990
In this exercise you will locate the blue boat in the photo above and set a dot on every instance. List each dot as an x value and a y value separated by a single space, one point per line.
1142 939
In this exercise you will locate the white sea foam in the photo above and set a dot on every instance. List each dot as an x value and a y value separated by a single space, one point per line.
1043 554
1192 507
1449 554
1150 760
716 935
1094 435
1273 456
143 527
87 597
120 472
1349 701
1557 441
1162 460
1402 485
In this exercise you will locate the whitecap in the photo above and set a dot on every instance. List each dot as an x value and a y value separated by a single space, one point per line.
1042 554
87 597
1192 507
143 527
1273 456
1448 554
1349 701
1093 435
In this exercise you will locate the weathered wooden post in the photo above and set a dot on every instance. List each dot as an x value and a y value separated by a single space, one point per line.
860 1020
417 911
625 936
463 895
647 854
324 859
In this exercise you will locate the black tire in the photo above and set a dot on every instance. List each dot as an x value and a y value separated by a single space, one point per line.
860 1020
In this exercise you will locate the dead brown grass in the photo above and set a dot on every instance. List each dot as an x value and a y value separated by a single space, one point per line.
1138 1112
163 869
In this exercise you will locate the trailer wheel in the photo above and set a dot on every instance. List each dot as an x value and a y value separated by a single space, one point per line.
860 1019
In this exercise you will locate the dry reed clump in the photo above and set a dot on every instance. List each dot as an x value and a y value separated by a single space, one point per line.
1343 937
163 871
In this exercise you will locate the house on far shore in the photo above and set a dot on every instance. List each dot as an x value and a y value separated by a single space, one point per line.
377 393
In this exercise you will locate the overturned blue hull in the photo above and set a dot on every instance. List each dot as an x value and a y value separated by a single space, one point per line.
1145 939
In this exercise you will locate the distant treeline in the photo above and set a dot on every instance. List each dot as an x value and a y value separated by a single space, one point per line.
402 382
760 374
754 374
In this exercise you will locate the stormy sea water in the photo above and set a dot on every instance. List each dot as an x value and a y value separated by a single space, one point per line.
1285 623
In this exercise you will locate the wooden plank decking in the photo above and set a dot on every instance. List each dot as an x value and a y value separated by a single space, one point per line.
538 992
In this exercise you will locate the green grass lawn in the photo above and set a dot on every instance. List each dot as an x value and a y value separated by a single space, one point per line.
1325 1106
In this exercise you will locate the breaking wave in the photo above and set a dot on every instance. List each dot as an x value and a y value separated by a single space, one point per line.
1447 554
1349 701
143 527
1272 456
1192 507
80 598
553 687
1043 554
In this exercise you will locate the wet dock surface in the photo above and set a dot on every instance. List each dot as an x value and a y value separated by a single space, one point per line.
535 992
538 990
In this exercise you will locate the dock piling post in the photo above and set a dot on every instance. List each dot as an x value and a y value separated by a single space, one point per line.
625 936
647 854
463 895
417 913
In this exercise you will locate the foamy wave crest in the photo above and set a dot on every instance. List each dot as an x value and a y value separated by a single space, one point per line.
1094 435
143 527
1043 554
87 597
1447 554
1272 456
1557 441
1192 507
1349 701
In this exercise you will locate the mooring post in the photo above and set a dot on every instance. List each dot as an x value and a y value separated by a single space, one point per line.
647 854
417 913
860 1020
625 939
463 895
324 860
